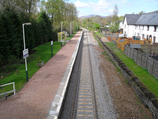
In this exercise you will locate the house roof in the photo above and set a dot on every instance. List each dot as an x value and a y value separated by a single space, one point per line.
122 40
135 45
148 19
131 18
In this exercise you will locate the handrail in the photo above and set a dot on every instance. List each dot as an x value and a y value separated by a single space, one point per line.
8 91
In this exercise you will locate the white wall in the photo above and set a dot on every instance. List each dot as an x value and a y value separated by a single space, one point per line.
128 29
146 33
136 30
121 25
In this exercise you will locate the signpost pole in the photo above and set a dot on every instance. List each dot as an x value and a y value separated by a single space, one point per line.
24 49
61 34
51 48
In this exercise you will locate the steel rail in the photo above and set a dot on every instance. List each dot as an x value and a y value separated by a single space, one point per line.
78 79
92 79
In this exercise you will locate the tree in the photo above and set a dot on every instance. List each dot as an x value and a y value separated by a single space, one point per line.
108 19
45 25
96 25
114 26
97 20
115 14
27 6
121 18
142 12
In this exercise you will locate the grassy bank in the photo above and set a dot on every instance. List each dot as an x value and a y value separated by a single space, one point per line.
41 53
150 81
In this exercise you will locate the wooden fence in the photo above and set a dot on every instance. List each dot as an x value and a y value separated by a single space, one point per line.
150 50
106 34
142 60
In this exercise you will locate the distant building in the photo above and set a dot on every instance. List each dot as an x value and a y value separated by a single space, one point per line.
143 26
129 24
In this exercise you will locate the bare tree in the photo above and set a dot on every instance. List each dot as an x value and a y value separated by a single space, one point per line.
115 14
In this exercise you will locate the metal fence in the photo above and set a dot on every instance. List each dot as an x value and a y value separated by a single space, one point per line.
142 60
8 91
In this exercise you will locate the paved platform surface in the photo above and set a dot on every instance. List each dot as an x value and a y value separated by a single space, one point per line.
34 100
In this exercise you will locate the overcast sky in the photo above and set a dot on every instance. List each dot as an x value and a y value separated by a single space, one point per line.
105 7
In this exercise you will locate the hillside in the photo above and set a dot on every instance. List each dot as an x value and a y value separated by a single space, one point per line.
92 15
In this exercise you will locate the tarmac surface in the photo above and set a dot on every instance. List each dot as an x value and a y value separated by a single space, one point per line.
34 100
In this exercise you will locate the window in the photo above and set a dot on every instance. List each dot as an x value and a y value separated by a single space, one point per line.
147 28
154 28
142 36
154 39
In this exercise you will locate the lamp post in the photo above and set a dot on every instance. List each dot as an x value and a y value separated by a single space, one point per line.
70 27
25 48
61 33
77 26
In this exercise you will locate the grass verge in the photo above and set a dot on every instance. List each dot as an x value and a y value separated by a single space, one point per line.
150 81
43 53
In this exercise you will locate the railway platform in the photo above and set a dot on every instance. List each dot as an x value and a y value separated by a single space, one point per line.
35 99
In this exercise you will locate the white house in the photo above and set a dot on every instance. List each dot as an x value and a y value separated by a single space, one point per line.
144 26
129 24
147 27
121 26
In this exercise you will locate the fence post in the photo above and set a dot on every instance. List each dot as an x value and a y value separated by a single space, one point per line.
133 53
6 96
152 67
14 87
136 57
146 61
141 60
129 52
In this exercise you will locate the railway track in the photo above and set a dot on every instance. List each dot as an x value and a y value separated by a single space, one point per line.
86 106
87 96
81 99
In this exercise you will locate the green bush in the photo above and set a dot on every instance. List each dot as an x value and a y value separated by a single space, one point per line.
96 25
11 34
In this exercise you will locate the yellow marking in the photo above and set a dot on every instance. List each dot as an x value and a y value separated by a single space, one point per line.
84 103
85 99
85 93
84 110
85 115
85 88
85 107
84 81
84 96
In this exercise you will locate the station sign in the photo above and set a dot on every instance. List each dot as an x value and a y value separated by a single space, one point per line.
51 42
25 53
